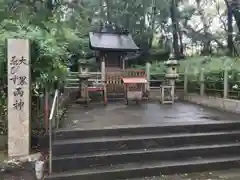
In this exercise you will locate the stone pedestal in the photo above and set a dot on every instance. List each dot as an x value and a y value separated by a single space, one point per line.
171 76
167 90
18 97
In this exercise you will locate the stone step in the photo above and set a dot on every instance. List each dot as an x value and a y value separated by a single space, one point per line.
101 144
71 87
186 127
149 168
72 82
74 162
70 79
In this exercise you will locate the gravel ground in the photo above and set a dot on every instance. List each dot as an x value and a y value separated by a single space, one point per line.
19 171
19 175
232 174
24 172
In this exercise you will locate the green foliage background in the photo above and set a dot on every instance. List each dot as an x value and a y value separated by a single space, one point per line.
54 40
58 31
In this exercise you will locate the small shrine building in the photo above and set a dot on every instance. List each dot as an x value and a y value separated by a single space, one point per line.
111 45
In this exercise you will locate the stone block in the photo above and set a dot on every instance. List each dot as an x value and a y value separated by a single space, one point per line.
229 105
19 104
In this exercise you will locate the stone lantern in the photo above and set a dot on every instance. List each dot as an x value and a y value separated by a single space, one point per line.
168 90
84 75
83 66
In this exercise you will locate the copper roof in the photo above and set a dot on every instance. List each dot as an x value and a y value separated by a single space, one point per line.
134 80
112 42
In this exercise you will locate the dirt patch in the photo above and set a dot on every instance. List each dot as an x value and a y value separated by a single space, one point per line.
20 169
25 172
3 156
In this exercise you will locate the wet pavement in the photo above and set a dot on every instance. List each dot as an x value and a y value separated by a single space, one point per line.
118 114
115 114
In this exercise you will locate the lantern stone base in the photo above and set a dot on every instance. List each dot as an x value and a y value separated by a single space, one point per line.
167 94
82 101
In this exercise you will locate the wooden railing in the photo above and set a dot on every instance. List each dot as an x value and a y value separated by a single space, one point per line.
156 79
224 83
114 79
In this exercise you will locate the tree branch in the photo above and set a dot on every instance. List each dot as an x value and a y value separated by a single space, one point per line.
204 37
221 15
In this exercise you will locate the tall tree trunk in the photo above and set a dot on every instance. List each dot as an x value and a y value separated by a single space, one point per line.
127 18
234 5
180 35
235 10
175 33
143 40
181 42
206 43
102 13
230 31
153 21
108 4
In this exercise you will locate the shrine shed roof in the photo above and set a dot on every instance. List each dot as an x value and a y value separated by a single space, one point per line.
112 42
134 80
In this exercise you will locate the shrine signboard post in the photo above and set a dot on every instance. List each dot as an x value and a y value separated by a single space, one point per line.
19 104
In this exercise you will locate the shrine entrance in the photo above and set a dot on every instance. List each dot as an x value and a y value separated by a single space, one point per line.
115 87
112 44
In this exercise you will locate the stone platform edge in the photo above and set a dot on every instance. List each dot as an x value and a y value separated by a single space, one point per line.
155 94
229 105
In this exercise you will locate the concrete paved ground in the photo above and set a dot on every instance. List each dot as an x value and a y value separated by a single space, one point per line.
118 114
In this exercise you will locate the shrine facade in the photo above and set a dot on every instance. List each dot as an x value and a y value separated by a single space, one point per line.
111 45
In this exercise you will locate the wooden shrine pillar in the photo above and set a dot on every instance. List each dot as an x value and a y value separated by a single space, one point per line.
103 78
148 67
103 69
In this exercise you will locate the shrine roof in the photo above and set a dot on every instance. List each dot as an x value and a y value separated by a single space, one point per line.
112 41
134 80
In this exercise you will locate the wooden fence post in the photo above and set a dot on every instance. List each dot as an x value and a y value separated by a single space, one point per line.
148 66
225 92
202 85
103 73
46 108
123 63
103 78
186 80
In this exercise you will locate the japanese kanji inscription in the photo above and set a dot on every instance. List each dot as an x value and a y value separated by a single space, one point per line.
18 97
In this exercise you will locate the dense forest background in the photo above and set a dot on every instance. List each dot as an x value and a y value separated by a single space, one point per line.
58 30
